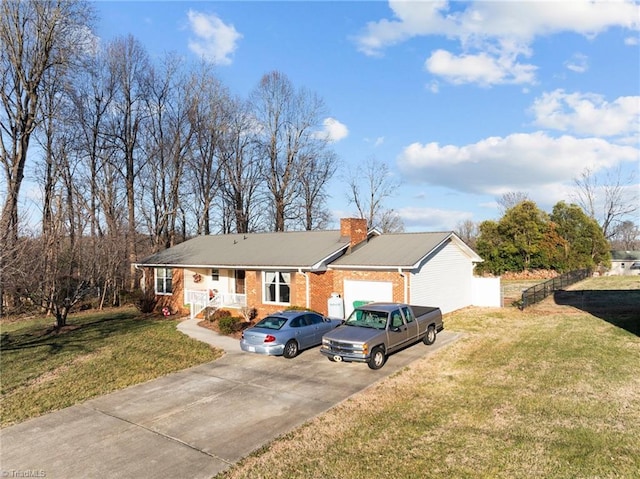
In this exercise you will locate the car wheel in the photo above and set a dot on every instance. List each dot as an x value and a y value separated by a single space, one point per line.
378 358
430 336
290 349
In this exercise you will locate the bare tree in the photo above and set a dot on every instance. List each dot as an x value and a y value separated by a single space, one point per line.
129 64
289 120
36 39
369 186
170 99
510 199
626 236
609 201
207 120
317 170
468 232
241 169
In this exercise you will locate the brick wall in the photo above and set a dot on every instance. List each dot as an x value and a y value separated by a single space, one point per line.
392 276
321 285
172 301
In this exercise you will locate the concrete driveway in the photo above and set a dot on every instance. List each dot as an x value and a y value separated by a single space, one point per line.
194 423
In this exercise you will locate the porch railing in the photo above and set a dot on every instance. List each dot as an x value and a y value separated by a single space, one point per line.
199 300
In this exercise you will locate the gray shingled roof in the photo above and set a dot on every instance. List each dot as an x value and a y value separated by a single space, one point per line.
401 250
295 249
618 255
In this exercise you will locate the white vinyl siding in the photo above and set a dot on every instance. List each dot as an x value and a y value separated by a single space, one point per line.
444 280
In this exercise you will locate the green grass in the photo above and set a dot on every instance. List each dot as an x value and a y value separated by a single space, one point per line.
43 370
552 391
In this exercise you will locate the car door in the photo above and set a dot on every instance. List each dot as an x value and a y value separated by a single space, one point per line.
320 326
397 332
306 331
412 324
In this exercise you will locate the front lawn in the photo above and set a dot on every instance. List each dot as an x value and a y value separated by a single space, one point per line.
552 391
44 370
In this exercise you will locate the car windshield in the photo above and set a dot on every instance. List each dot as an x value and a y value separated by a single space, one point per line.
271 322
367 319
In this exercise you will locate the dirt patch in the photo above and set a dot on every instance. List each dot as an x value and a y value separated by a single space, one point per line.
57 372
538 274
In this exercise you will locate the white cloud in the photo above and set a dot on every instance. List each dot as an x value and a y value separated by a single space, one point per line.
432 219
518 162
488 31
214 40
505 19
481 68
333 130
587 114
579 63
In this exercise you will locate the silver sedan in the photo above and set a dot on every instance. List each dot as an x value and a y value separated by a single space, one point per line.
287 333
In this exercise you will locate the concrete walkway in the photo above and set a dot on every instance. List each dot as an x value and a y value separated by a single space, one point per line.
190 328
194 423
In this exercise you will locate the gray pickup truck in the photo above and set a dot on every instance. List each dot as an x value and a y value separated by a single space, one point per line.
375 330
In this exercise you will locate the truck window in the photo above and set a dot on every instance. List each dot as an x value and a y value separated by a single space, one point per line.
408 314
396 319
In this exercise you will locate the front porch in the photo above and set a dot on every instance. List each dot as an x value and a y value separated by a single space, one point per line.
199 300
213 288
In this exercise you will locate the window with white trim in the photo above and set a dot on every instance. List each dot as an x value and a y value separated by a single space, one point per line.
215 275
163 280
276 287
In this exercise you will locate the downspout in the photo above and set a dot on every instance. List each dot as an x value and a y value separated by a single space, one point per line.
307 292
144 277
406 285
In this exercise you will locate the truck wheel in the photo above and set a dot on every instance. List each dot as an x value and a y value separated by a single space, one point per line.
378 358
290 349
430 336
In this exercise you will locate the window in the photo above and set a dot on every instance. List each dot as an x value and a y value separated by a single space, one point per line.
276 287
396 319
215 274
163 280
408 315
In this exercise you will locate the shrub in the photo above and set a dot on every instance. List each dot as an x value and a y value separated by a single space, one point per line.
299 308
216 315
229 324
249 314
145 302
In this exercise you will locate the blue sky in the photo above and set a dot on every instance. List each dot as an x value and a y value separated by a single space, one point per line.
464 101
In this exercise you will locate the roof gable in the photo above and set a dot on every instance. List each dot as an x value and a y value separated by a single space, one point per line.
618 255
400 250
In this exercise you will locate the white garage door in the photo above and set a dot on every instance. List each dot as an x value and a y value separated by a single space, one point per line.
365 291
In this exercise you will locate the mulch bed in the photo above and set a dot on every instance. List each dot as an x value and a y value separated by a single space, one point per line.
214 326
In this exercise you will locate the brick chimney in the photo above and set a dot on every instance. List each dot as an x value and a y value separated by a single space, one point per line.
355 229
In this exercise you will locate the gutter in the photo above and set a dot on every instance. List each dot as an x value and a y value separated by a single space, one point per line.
406 285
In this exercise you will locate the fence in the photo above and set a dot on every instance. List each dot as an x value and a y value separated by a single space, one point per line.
540 291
